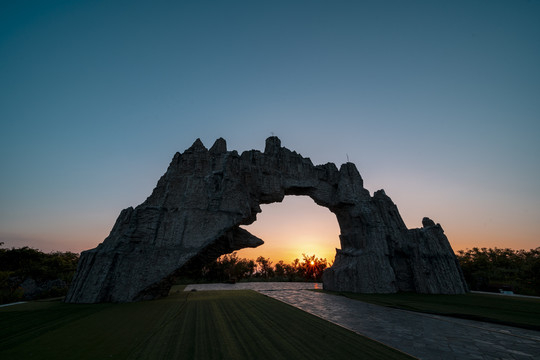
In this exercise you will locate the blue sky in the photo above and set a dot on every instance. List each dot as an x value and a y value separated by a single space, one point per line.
436 102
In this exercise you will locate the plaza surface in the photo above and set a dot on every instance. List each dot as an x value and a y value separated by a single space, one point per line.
424 336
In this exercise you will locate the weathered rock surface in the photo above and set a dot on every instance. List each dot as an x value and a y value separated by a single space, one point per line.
194 213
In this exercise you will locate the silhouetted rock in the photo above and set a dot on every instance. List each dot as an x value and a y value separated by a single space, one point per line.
427 222
194 213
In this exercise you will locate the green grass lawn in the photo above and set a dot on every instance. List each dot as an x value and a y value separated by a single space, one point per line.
186 325
514 311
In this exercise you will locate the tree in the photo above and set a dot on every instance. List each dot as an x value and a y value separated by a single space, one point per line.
491 269
226 268
314 267
20 264
265 267
280 269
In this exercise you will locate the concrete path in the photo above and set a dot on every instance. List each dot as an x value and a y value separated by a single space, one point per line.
421 335
15 303
257 286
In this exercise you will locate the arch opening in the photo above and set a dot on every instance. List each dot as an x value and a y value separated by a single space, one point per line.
293 227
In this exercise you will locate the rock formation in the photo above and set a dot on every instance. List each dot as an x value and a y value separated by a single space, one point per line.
194 213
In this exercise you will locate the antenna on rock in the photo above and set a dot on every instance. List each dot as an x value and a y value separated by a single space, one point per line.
347 157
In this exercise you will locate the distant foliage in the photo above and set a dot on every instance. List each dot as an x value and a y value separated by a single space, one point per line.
27 273
227 268
493 269
231 268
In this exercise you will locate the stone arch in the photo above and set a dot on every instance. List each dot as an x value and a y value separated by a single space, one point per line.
195 212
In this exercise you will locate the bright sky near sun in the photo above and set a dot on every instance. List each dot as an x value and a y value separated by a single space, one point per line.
437 102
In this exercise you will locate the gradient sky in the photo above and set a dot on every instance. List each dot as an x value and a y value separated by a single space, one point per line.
437 102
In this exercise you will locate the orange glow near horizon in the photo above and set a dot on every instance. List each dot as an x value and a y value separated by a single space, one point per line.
298 226
313 230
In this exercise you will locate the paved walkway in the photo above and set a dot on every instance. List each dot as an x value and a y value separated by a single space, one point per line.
421 335
15 303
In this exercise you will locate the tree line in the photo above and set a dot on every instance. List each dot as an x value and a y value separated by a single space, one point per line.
27 273
484 269
501 269
231 268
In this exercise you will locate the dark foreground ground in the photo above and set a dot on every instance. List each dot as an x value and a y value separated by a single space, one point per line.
424 335
186 325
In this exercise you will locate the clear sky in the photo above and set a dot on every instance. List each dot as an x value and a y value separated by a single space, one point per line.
437 102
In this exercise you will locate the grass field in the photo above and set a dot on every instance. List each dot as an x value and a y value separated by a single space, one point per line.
508 310
186 325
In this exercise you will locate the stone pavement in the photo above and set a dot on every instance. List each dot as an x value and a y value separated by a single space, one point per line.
421 335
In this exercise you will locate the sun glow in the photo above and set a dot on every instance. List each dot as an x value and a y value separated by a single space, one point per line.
294 227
